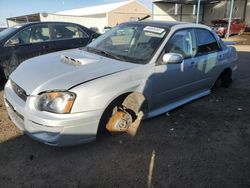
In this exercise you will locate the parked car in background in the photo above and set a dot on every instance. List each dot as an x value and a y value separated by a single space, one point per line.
32 39
238 26
136 69
95 29
106 29
3 28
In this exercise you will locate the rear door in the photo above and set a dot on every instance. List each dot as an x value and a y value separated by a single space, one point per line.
29 42
68 36
208 59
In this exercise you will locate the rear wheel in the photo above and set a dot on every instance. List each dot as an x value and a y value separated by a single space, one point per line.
224 80
217 84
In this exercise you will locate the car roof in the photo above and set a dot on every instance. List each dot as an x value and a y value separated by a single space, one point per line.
163 24
48 22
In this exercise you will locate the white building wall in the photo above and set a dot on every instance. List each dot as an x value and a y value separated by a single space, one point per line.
95 21
164 11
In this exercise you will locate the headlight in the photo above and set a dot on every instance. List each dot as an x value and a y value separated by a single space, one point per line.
56 101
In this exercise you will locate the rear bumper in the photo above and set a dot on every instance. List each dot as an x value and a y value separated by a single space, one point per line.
49 128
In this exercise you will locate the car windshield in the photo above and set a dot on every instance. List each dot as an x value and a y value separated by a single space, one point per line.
134 43
6 32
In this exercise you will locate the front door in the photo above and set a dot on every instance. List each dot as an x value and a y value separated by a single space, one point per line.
175 81
30 42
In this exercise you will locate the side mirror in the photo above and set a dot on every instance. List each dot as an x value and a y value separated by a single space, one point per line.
172 58
12 42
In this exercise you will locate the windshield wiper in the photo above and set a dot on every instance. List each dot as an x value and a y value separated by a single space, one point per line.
107 54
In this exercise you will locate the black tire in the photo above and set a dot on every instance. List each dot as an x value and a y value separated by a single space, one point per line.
2 78
226 79
217 84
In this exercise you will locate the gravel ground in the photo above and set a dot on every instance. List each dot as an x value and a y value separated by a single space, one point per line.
205 143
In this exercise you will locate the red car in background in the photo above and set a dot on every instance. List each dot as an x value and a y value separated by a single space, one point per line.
238 26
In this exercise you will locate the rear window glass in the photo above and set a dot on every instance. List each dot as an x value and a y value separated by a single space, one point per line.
67 32
206 42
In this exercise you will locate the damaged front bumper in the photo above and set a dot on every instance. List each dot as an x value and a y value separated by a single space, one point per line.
49 128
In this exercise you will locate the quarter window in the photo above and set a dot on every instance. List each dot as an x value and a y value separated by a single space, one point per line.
206 42
182 42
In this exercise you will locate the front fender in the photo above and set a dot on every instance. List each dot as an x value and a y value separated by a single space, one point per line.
98 94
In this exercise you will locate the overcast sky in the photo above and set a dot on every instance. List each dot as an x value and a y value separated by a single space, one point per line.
10 8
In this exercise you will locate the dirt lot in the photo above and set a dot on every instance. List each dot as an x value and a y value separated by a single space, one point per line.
205 143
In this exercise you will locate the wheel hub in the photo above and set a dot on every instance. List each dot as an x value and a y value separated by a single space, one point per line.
119 122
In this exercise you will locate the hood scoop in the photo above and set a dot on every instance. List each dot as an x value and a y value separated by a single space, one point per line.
76 62
69 60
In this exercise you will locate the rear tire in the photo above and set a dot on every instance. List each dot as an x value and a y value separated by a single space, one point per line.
217 84
224 80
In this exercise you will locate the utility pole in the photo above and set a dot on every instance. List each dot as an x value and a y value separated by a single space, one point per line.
198 11
230 18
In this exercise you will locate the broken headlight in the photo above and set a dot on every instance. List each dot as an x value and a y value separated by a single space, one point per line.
55 101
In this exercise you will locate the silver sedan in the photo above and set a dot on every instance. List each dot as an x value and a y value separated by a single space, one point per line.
136 70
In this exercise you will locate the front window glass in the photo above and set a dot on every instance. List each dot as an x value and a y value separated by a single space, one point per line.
7 32
23 37
32 35
129 42
182 42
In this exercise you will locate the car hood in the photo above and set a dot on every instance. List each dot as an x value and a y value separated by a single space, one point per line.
63 70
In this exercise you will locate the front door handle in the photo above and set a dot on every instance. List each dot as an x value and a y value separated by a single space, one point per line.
193 64
220 57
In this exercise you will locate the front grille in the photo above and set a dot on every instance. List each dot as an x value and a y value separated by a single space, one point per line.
19 91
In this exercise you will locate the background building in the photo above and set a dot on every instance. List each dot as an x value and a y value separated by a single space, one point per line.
95 16
185 10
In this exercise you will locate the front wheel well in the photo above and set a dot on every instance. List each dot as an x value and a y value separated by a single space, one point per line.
133 101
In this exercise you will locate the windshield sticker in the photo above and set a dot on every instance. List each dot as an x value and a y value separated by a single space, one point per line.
154 29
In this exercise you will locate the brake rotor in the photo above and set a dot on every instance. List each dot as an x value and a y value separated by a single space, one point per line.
119 122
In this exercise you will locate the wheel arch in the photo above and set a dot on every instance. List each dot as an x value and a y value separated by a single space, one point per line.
225 78
123 100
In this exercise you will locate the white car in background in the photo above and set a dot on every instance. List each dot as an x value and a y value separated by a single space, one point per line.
136 70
